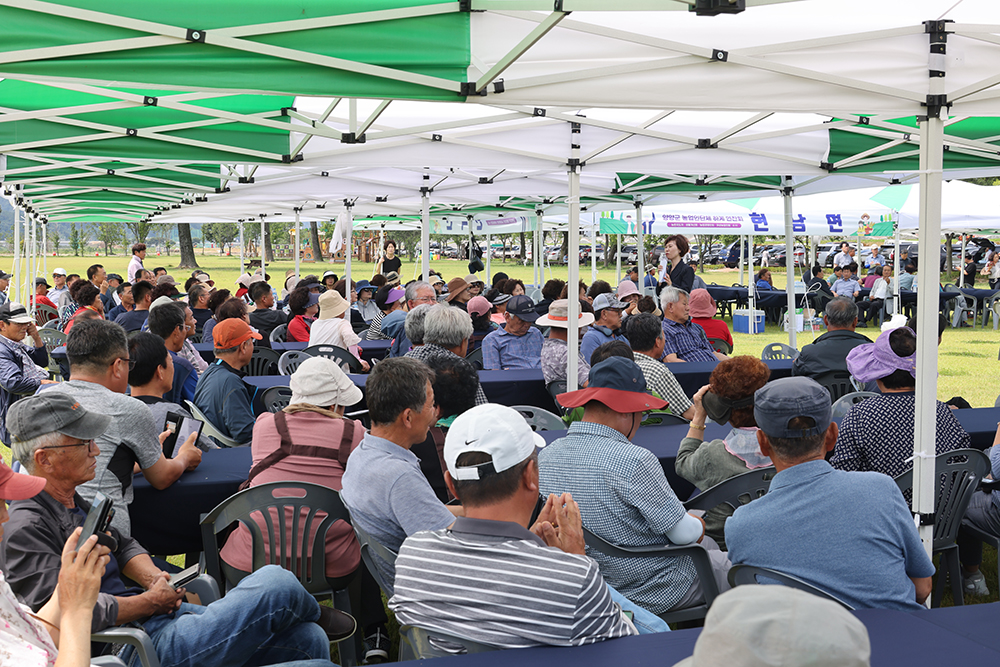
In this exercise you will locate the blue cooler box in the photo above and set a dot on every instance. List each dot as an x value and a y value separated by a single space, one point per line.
741 321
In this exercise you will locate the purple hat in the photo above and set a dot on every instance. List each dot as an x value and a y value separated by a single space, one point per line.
874 361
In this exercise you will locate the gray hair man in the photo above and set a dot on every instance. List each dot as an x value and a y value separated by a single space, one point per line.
490 453
55 440
419 292
414 325
871 556
683 339
99 366
388 496
828 353
446 333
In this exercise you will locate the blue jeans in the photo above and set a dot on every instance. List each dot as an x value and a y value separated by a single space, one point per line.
267 619
646 622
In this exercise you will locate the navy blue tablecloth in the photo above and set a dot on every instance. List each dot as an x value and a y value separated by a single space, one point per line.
720 293
693 376
167 522
980 423
370 349
516 387
976 622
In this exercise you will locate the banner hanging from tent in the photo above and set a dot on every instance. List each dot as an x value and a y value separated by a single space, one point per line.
833 223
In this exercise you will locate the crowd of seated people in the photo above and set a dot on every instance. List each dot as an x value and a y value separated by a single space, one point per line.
461 488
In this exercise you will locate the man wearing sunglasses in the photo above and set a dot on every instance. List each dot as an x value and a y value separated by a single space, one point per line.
99 365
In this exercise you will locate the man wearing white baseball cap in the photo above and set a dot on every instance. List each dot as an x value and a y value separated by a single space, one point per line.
519 587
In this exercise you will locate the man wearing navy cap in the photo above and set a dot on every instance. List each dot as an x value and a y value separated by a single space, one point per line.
848 533
607 325
623 493
519 345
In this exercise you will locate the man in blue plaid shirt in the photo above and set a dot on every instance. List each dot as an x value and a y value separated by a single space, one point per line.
684 340
519 345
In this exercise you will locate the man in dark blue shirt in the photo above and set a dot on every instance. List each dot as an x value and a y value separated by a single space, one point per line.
142 298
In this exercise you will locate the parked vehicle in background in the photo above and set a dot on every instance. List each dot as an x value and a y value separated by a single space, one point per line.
732 254
629 254
777 255
826 253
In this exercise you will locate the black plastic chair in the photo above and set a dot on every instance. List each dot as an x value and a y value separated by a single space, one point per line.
557 387
742 575
276 398
778 351
986 486
338 354
288 548
290 360
956 477
735 491
720 345
263 362
697 553
838 383
476 358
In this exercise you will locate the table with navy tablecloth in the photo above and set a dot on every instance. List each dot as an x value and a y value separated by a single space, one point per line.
692 376
370 349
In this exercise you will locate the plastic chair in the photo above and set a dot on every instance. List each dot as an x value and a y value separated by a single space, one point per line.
539 419
210 429
263 362
276 398
417 644
555 388
288 549
369 546
741 575
476 358
720 345
838 383
195 338
735 491
844 404
702 564
279 333
992 307
535 295
656 418
957 475
778 351
338 354
44 314
106 661
963 305
50 325
986 486
290 360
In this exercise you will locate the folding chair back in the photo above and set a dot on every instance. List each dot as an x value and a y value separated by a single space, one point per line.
742 575
418 644
44 314
370 546
276 398
210 429
348 361
779 351
290 360
720 345
844 404
263 362
539 419
279 333
838 383
735 491
476 358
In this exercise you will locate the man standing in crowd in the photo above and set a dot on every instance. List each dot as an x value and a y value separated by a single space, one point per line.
519 345
871 555
683 339
221 394
135 264
623 493
846 255
99 366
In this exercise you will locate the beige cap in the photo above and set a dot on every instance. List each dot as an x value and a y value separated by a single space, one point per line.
320 381
331 305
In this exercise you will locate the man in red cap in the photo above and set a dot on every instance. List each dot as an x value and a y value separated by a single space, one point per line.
221 393
624 496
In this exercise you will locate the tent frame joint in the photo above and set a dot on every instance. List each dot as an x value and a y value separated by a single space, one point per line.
720 56
150 101
352 138
927 519
706 143
195 35
935 104
288 159
246 179
468 89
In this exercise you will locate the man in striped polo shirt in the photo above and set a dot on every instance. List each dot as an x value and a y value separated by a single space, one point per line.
489 579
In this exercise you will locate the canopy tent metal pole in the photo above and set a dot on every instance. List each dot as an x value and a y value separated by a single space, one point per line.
489 256
18 221
931 164
315 250
593 247
45 250
468 252
29 284
242 250
263 231
897 306
538 242
348 252
741 242
573 312
746 255
640 245
961 265
618 259
786 197
425 230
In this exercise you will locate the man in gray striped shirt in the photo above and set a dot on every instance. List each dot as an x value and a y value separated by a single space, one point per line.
489 579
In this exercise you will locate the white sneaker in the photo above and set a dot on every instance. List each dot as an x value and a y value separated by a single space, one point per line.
975 585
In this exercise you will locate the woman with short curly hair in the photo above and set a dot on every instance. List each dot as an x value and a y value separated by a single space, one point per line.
728 397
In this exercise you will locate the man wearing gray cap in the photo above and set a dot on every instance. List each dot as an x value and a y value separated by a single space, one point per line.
606 327
847 533
268 618
519 345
